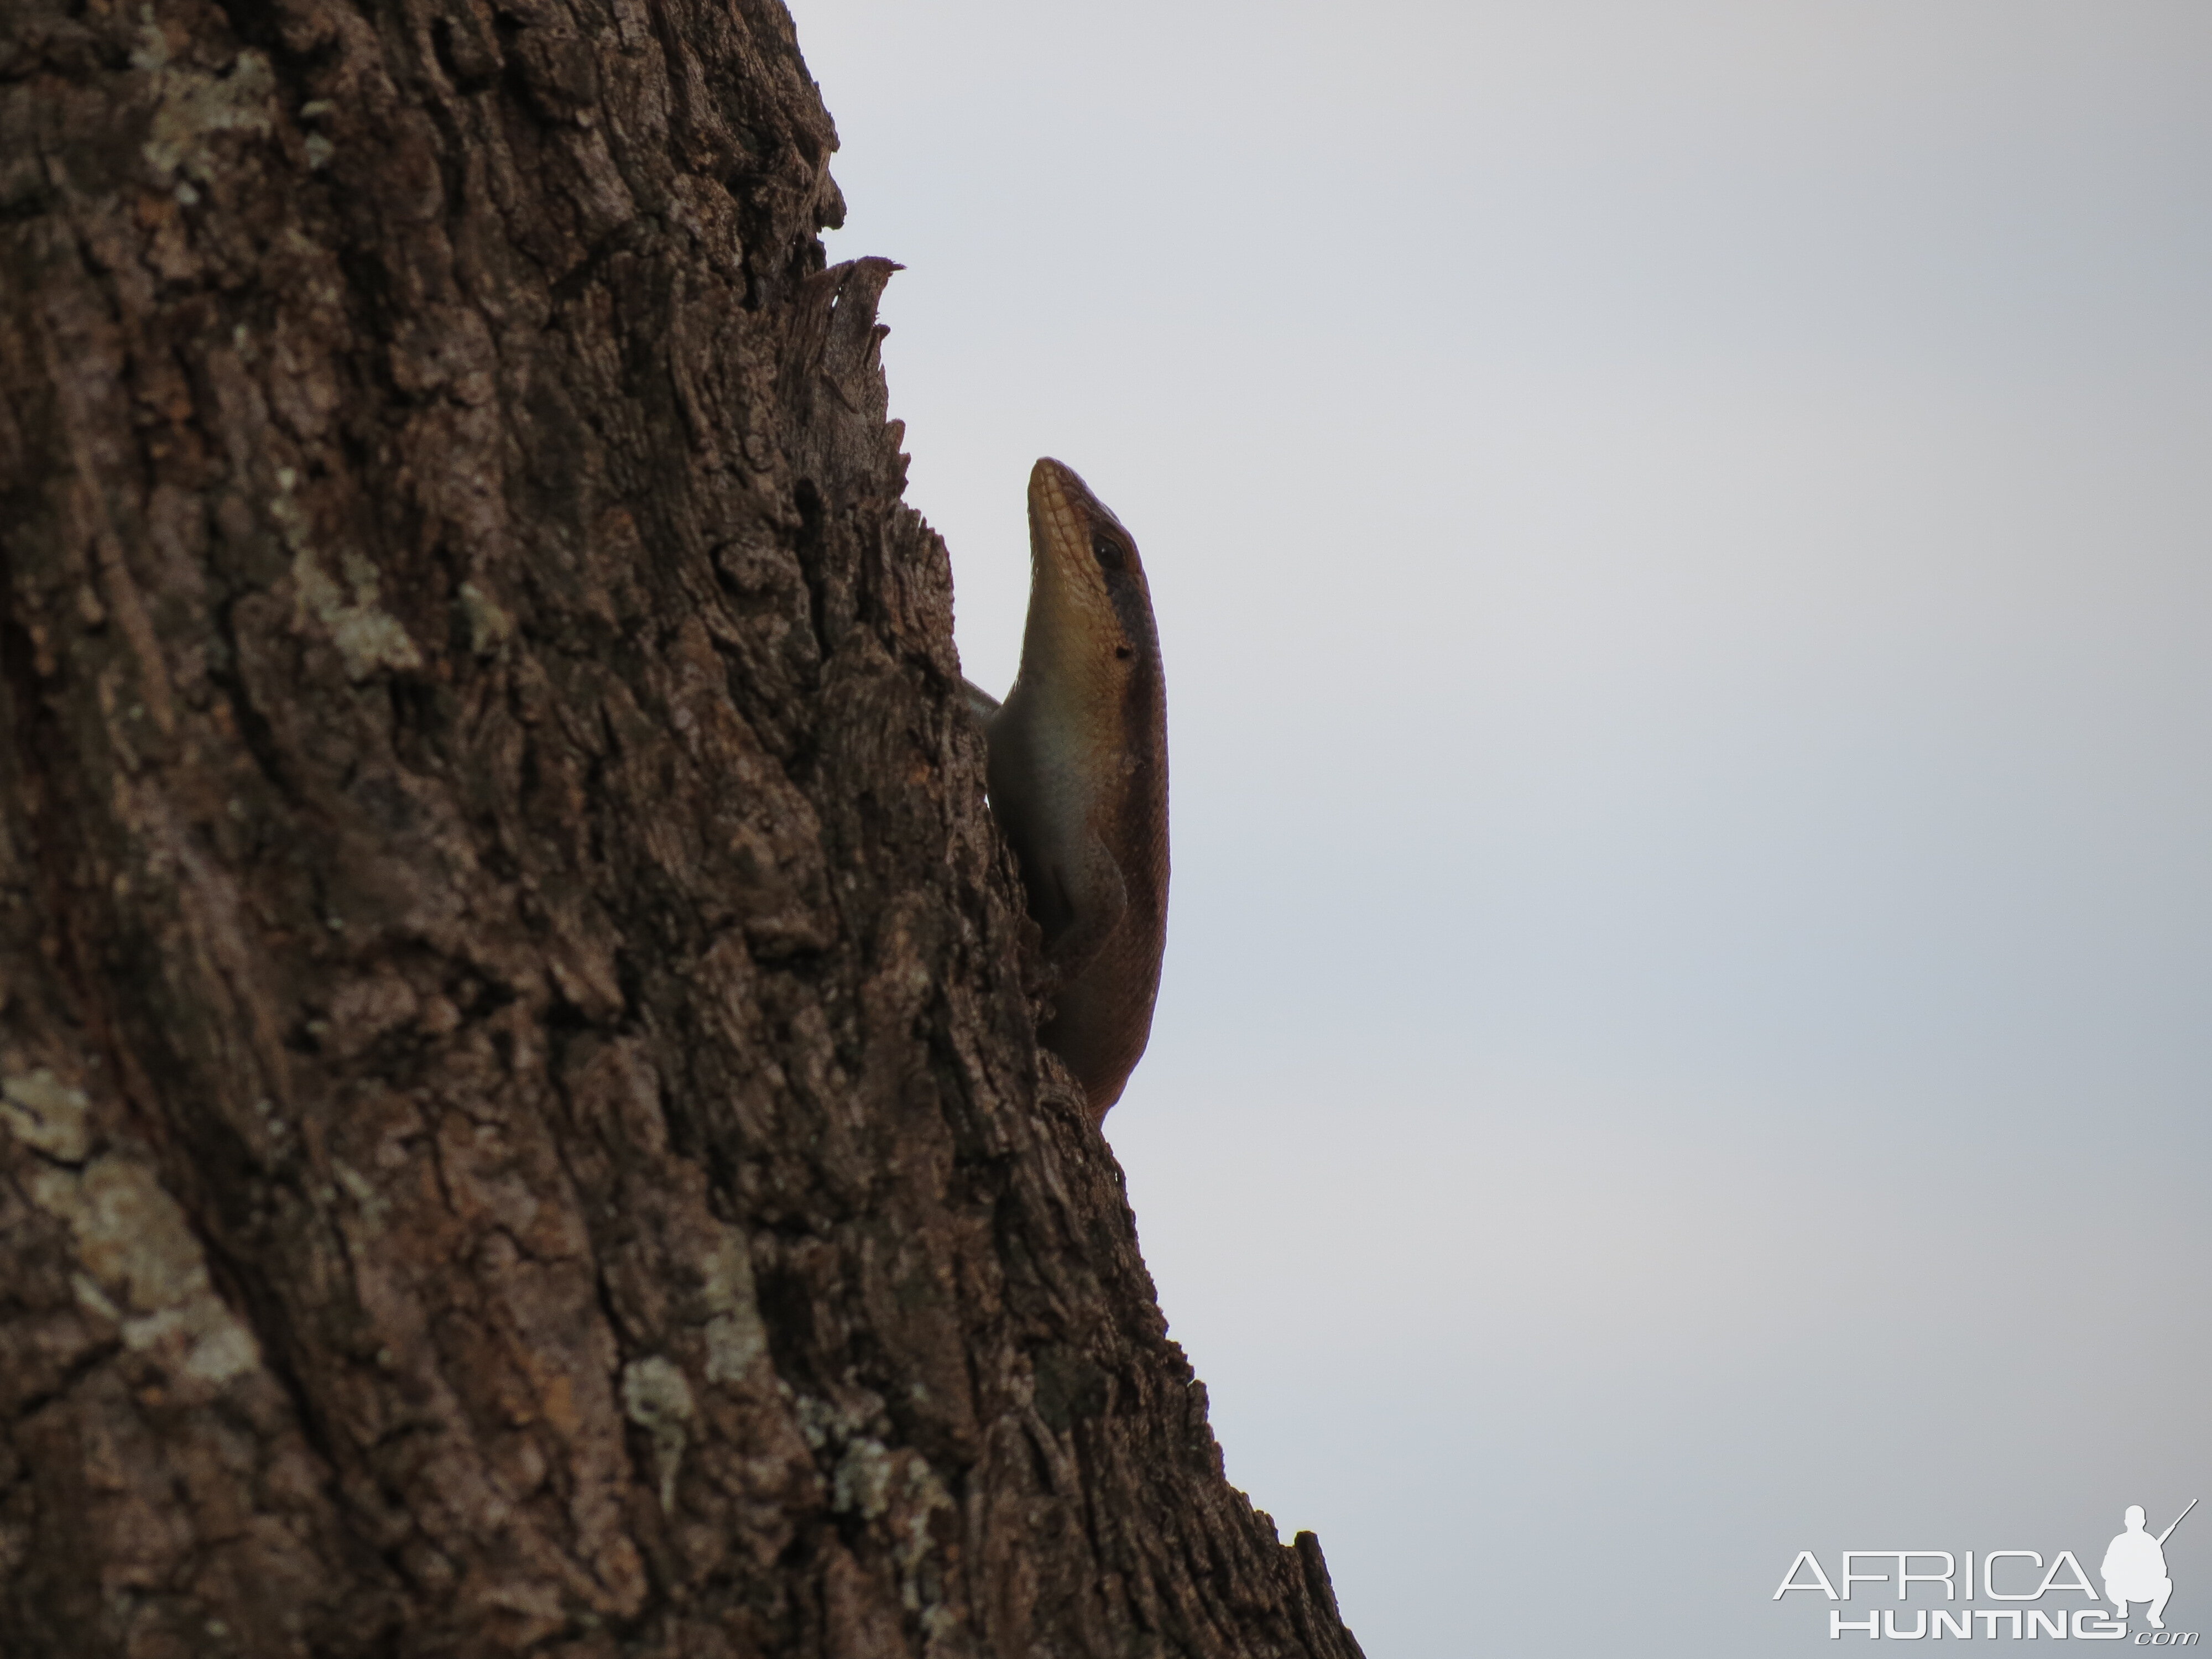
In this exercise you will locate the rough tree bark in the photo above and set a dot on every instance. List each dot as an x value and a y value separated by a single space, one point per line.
520 1127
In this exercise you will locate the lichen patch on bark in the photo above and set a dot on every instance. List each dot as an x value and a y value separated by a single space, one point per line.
193 106
46 1114
141 1269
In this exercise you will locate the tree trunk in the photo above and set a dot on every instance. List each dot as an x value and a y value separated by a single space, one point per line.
521 1123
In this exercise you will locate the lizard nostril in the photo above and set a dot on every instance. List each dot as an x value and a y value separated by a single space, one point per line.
1122 651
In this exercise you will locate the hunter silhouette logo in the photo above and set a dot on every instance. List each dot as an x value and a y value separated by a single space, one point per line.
2135 1567
2134 1571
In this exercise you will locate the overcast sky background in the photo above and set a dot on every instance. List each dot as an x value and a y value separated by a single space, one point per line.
1682 539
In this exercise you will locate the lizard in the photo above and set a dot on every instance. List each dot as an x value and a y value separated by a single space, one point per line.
1078 776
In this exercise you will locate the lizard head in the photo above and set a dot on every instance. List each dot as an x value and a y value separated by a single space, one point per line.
1088 591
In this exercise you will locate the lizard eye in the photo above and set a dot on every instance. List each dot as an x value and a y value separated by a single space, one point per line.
1108 551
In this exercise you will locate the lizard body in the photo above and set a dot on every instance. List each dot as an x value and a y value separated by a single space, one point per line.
1078 780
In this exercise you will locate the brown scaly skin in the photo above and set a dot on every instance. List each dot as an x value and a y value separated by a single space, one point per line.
1079 774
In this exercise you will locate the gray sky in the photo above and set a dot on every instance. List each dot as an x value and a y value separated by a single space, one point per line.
1682 537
